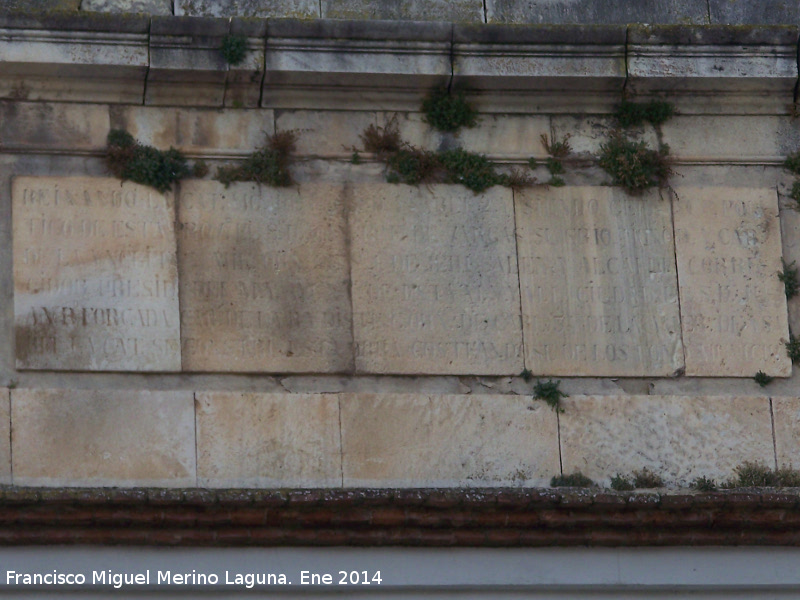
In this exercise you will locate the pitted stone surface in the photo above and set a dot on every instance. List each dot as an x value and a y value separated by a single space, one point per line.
95 275
103 438
786 412
37 125
5 436
449 441
592 11
404 10
264 278
679 437
733 306
598 282
268 440
434 275
790 234
276 9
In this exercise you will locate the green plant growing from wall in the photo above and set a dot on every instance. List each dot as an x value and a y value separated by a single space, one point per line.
621 483
789 277
633 114
129 160
763 379
795 194
234 48
793 348
549 392
576 479
268 165
756 474
633 166
646 478
792 163
704 484
448 112
558 150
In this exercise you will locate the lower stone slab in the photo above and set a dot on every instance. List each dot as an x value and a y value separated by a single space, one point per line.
786 412
102 438
268 440
5 436
447 441
678 437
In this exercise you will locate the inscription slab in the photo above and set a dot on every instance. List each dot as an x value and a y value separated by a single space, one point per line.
786 412
598 283
264 278
103 438
678 437
268 440
435 286
417 440
733 306
95 275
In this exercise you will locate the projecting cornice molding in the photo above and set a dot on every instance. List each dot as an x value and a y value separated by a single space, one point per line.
350 65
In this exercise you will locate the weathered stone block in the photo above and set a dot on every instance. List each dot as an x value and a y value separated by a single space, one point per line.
299 9
5 436
733 307
540 69
264 278
590 12
435 288
598 282
354 65
329 134
406 10
509 137
148 7
95 275
768 12
196 131
54 126
268 440
73 57
244 82
790 234
186 62
103 438
678 437
450 441
786 412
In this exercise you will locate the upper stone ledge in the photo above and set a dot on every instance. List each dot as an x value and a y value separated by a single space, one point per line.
715 35
540 34
330 29
70 21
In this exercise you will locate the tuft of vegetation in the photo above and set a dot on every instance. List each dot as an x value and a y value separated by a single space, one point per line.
355 158
556 182
793 348
549 392
268 165
647 479
200 169
413 166
792 163
517 179
555 166
127 159
577 479
704 484
655 112
382 141
789 277
632 165
556 148
472 170
795 193
532 164
526 375
234 48
448 112
621 483
763 379
756 474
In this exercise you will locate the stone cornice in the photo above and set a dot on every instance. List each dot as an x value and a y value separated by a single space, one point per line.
398 517
391 64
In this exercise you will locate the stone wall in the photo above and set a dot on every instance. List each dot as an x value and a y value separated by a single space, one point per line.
346 331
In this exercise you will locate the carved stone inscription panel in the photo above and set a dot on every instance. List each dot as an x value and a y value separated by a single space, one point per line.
264 278
733 305
435 286
598 282
95 275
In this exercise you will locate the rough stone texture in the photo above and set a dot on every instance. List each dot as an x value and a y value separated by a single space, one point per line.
150 7
95 275
53 126
448 441
244 81
772 12
353 64
598 282
695 386
679 437
268 440
330 134
790 234
592 11
507 136
5 436
186 64
41 5
102 438
299 9
733 307
719 139
264 278
786 413
215 133
73 57
434 276
405 10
